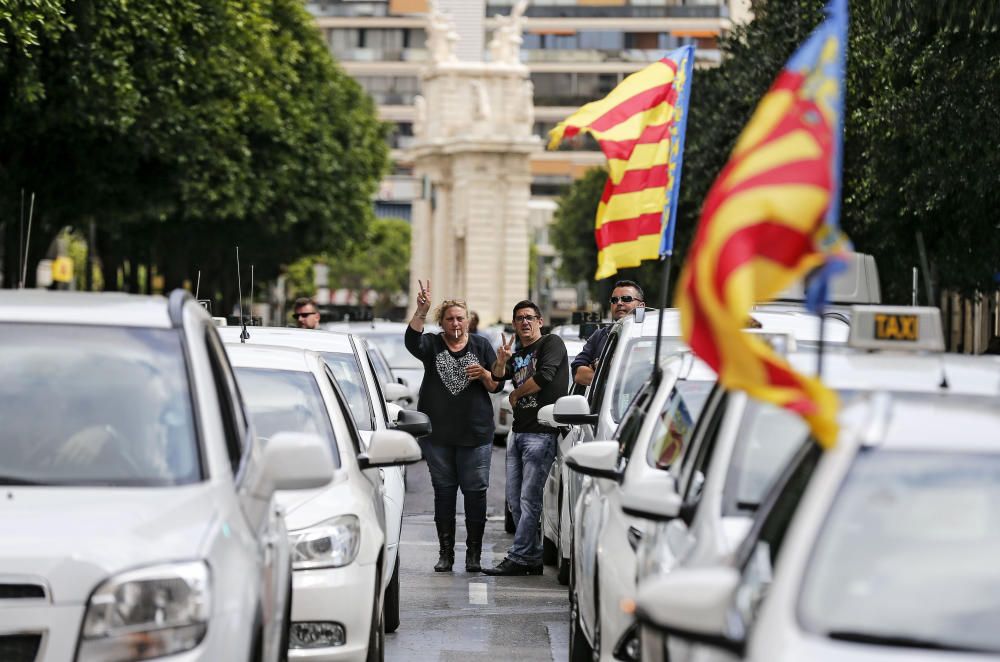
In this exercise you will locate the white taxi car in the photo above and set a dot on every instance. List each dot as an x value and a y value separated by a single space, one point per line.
138 510
348 359
337 532
604 536
870 572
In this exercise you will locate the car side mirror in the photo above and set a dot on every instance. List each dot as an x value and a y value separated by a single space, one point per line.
693 604
595 458
414 422
390 448
546 417
652 496
393 392
573 410
293 461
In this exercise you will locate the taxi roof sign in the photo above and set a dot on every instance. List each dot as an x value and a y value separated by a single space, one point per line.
896 328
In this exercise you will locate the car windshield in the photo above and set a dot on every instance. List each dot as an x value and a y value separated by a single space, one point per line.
769 437
94 405
351 380
908 553
395 352
286 401
675 424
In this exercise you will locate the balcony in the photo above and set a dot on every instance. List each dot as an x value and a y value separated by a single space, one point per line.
380 54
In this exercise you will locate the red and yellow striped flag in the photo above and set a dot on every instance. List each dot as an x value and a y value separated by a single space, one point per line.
765 224
634 126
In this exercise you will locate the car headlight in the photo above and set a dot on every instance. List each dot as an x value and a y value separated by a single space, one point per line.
150 612
332 544
654 557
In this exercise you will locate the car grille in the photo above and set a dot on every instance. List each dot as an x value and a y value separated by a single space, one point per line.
19 647
21 591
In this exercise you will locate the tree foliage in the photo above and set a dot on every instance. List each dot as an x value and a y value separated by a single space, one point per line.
181 127
379 261
921 129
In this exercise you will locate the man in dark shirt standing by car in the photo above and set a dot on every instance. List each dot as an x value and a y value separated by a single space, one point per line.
539 370
626 297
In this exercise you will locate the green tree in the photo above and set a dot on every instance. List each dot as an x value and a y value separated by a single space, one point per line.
183 128
379 261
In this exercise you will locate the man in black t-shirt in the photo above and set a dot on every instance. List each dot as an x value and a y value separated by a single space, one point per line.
539 370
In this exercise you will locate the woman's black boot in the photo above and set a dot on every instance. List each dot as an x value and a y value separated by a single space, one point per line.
446 540
473 545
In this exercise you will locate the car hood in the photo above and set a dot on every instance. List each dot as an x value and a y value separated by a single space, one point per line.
74 538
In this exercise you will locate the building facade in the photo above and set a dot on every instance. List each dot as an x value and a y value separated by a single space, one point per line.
573 51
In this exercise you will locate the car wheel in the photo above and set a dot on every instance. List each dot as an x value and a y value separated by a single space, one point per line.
579 647
287 626
596 651
390 612
563 575
376 636
508 520
550 552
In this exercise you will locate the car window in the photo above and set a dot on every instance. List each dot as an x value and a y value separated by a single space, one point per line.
769 436
595 393
380 367
379 393
235 422
628 432
395 351
909 552
348 374
286 401
345 411
675 424
92 405
759 552
694 459
635 371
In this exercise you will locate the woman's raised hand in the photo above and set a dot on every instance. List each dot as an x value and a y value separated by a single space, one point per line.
424 298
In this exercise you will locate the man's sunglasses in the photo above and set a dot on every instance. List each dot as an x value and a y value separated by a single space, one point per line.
298 315
625 299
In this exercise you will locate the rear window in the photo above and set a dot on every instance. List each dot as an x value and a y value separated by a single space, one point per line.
92 405
286 401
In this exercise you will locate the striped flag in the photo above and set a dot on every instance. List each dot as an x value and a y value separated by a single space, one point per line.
640 128
767 222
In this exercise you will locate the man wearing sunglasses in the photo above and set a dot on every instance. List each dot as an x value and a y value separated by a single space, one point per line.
626 297
306 316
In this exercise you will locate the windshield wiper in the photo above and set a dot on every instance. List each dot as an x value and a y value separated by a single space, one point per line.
902 641
16 480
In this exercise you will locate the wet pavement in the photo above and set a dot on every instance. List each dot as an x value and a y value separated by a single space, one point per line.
456 616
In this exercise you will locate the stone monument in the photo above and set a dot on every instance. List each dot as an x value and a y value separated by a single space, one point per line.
473 141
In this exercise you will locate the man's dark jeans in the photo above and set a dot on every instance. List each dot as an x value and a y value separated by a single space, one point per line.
452 467
529 458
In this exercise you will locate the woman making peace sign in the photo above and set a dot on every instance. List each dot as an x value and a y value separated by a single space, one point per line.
455 395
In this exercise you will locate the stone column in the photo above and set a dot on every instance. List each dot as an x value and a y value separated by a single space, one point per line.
474 139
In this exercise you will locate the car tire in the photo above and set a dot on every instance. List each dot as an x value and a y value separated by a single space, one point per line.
287 628
563 575
579 647
550 552
390 611
376 634
508 519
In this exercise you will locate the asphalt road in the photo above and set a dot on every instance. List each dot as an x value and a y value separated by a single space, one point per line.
459 616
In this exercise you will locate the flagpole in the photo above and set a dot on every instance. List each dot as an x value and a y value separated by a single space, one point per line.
685 69
666 260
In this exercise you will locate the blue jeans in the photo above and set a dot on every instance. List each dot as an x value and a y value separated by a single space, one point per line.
452 467
529 458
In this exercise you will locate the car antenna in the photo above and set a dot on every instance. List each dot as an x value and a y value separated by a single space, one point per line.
251 295
27 242
244 336
197 287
